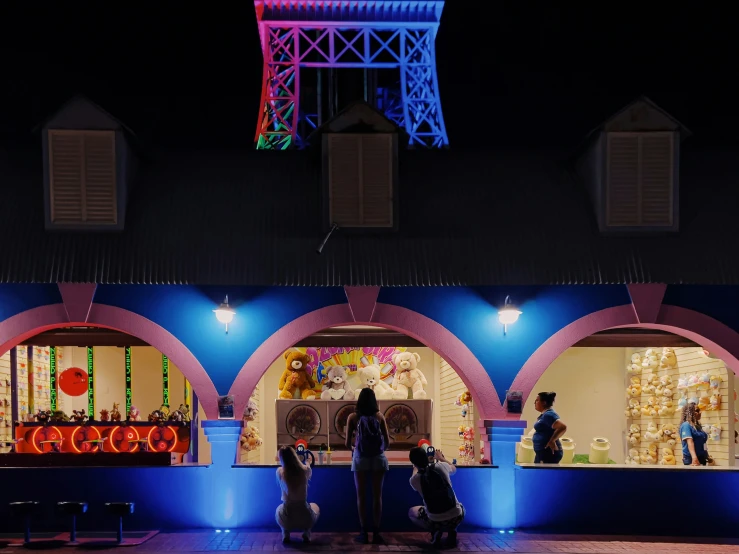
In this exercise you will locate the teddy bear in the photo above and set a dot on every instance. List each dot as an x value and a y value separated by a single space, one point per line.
704 381
651 385
633 457
634 434
634 388
408 376
370 378
295 377
665 408
668 358
704 401
668 457
715 382
250 439
669 430
715 432
250 410
650 359
714 402
633 409
652 434
635 365
652 453
335 386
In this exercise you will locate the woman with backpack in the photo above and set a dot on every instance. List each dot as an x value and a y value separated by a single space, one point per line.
441 511
368 428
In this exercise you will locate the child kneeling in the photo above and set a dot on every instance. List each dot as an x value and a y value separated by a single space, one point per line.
295 513
441 511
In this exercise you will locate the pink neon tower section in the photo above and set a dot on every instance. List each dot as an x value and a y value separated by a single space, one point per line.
349 34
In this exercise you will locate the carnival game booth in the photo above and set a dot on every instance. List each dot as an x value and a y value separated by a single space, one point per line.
72 405
312 389
621 395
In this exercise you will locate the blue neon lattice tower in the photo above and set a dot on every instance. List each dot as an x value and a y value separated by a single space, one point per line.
349 34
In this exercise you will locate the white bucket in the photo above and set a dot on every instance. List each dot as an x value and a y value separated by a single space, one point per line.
568 450
526 453
599 450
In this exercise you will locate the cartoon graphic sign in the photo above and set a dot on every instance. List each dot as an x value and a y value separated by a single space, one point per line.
73 381
351 358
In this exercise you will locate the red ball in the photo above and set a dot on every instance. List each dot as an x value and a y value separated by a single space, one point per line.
73 381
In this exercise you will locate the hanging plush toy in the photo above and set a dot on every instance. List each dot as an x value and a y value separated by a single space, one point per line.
464 401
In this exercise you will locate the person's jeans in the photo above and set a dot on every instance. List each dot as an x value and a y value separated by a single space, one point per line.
702 458
546 456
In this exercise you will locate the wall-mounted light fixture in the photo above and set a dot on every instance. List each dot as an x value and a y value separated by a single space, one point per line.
508 314
224 313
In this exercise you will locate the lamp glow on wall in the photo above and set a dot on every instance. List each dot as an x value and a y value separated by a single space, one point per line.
224 313
508 314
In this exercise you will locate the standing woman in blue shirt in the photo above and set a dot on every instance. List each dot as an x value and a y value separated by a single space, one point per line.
693 437
548 429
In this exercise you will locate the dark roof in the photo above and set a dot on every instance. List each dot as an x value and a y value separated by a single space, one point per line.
467 217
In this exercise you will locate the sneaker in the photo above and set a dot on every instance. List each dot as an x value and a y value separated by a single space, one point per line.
306 536
363 537
285 537
451 539
436 539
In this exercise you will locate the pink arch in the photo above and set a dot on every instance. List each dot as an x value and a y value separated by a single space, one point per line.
411 323
26 324
706 331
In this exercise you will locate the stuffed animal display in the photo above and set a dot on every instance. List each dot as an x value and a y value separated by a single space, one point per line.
335 386
295 377
371 378
408 377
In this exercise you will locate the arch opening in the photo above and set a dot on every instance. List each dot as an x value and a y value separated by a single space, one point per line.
627 382
46 319
335 338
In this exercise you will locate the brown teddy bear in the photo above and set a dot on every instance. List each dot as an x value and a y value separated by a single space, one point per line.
295 377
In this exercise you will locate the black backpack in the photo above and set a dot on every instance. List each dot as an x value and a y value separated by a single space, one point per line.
438 495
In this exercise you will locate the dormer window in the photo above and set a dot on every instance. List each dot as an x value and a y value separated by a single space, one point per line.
640 179
361 171
82 178
630 166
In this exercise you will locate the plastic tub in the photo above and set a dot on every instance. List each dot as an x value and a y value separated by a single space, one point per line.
568 450
599 450
526 451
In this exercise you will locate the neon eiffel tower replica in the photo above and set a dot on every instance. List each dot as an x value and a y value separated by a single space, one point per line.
325 37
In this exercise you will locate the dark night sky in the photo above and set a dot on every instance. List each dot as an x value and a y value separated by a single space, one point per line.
533 73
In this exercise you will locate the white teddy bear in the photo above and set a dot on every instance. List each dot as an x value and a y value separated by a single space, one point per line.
633 457
635 365
408 376
668 358
652 434
650 359
370 377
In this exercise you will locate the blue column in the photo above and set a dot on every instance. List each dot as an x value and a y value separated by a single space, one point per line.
224 500
501 436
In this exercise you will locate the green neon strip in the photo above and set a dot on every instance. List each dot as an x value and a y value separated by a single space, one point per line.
90 383
165 380
52 377
128 380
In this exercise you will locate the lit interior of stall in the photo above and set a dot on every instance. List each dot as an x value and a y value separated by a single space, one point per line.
621 393
432 404
84 390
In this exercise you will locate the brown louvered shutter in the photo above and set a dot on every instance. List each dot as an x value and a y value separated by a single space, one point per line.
656 180
361 180
82 177
639 180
